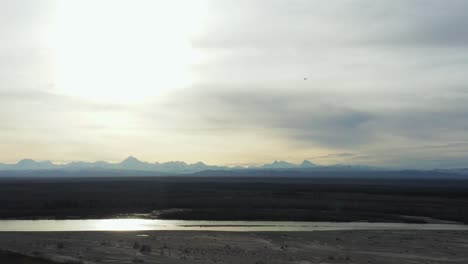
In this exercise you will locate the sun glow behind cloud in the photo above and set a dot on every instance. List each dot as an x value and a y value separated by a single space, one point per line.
125 51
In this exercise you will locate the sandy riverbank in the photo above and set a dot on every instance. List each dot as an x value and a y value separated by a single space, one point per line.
383 247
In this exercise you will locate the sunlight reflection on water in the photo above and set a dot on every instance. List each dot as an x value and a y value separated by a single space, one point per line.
150 224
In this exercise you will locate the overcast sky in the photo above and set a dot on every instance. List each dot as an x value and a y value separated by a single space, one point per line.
236 82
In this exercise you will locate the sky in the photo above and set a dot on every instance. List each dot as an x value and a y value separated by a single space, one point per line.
235 82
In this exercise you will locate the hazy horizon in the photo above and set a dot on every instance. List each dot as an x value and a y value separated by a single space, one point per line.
232 164
354 82
307 163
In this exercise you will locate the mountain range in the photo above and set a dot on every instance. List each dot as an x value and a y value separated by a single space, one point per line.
135 167
176 167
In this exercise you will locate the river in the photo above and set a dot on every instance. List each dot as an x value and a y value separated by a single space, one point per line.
239 226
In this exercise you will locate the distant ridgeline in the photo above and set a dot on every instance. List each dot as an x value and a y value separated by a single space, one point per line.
133 166
132 163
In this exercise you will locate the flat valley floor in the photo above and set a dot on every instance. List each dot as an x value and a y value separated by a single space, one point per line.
171 247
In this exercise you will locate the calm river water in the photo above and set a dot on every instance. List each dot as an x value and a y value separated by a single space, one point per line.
148 224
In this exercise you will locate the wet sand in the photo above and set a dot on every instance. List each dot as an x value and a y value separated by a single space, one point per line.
382 247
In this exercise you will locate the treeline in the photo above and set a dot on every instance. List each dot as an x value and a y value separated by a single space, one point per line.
231 199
